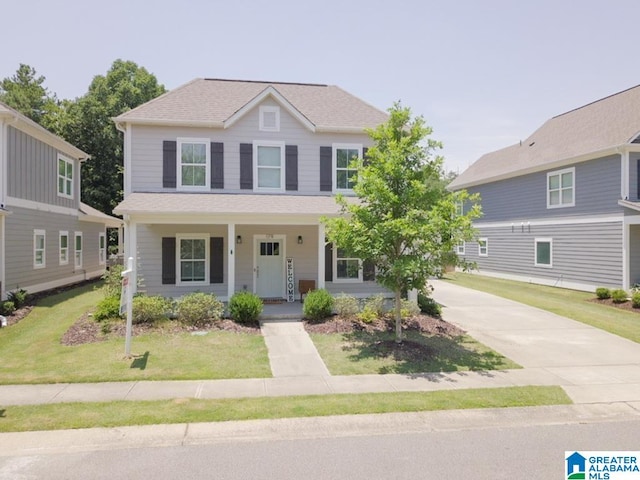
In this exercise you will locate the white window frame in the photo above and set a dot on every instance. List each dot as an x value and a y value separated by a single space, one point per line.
102 248
535 252
77 254
268 143
460 248
61 249
335 268
459 209
269 109
39 233
67 161
207 256
207 148
559 173
486 247
342 146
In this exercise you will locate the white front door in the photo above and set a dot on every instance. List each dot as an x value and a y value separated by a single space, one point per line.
269 267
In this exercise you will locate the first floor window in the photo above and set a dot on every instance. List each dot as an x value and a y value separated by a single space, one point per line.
544 252
39 254
192 259
347 267
102 248
78 250
460 248
193 163
269 165
483 247
346 170
64 248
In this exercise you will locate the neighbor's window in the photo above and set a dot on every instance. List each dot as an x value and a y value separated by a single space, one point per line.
192 258
460 248
347 267
39 254
544 252
346 172
194 163
269 171
561 188
102 248
64 247
65 177
483 247
78 249
270 119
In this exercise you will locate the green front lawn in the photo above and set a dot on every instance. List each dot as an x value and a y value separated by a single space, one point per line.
568 303
31 351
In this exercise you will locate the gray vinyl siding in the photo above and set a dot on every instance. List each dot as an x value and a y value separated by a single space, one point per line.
19 232
634 161
589 253
146 150
597 191
634 254
32 171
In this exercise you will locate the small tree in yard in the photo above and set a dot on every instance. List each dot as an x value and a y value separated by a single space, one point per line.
405 221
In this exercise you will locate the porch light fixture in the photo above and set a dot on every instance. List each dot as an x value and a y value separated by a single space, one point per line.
239 239
299 239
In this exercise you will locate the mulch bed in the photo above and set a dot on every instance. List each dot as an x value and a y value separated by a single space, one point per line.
419 323
623 306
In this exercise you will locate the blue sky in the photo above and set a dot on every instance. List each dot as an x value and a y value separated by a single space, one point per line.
484 74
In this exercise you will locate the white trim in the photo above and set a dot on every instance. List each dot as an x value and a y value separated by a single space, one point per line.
237 218
484 240
39 233
550 282
269 91
67 161
264 109
559 173
127 159
2 258
555 221
61 234
624 175
3 167
231 262
77 265
102 250
268 143
207 172
334 163
42 207
207 256
40 287
259 237
459 250
335 268
626 256
536 241
321 255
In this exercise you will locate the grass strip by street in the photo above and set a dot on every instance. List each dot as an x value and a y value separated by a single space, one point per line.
561 301
124 413
31 351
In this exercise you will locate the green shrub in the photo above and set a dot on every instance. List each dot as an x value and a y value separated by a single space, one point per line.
376 304
346 305
635 300
603 293
108 307
367 315
408 309
7 307
619 296
318 304
113 281
196 308
150 309
245 308
429 306
19 297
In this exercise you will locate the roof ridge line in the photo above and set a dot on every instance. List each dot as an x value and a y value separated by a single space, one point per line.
267 82
596 101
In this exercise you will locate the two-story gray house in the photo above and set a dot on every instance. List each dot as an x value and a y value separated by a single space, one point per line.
226 183
563 207
48 237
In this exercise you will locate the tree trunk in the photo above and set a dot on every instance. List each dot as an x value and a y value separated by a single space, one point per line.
398 316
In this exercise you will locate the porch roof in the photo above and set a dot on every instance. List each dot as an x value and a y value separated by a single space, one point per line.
227 203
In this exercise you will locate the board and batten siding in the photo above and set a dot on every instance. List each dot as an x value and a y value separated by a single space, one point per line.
32 171
585 253
597 191
147 156
19 232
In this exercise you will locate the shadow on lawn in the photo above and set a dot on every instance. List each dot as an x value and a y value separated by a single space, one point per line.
419 353
140 361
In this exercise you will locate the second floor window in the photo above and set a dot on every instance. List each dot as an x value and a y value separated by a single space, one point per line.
65 177
269 165
194 164
346 171
561 188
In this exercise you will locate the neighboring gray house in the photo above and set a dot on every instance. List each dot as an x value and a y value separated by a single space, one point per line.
48 237
226 182
562 207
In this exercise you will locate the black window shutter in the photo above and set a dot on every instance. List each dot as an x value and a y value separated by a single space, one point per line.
216 260
368 271
168 260
365 159
246 166
169 159
291 167
328 262
217 165
326 173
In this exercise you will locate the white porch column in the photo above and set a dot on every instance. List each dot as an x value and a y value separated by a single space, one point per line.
121 240
231 260
321 234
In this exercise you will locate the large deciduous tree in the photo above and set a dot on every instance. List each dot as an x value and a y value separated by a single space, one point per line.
404 220
25 92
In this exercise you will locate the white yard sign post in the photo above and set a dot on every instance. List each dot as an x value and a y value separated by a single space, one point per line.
126 304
